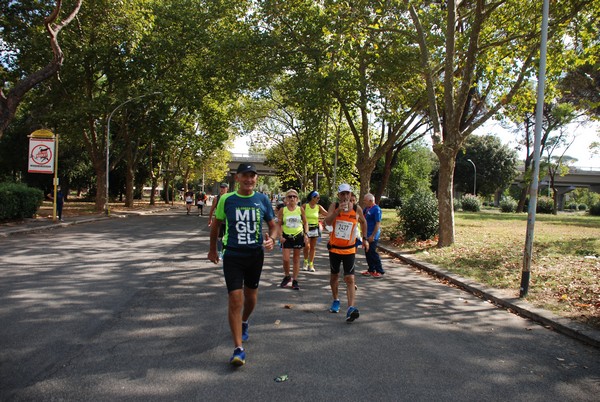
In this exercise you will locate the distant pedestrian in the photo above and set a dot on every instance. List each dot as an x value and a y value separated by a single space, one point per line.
201 202
243 212
313 211
372 214
293 232
60 201
189 200
280 204
344 216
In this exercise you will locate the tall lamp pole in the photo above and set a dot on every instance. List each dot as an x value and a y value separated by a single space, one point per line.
106 209
474 177
533 190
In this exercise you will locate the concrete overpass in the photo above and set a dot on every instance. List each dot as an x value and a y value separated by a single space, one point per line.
579 178
576 178
255 158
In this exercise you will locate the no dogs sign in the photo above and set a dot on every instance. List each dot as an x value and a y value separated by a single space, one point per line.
41 152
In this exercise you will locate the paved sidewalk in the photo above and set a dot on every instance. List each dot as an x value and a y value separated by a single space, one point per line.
499 297
33 225
505 299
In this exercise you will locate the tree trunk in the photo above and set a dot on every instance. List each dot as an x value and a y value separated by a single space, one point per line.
101 200
445 195
365 182
129 180
554 193
153 191
527 182
95 146
387 172
523 198
166 184
555 199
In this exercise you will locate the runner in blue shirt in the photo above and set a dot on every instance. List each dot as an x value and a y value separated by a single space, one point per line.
243 212
372 214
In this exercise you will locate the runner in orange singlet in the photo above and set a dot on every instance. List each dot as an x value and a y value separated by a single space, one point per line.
344 216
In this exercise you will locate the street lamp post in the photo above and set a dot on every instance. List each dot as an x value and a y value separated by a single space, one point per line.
106 209
474 177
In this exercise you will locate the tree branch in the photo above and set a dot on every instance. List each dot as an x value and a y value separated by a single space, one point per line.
10 102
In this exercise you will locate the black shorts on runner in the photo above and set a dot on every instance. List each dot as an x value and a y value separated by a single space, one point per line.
293 241
337 260
314 231
243 270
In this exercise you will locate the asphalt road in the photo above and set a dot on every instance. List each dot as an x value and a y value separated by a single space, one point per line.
131 310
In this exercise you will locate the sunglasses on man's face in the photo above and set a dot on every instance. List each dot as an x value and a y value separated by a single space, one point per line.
292 196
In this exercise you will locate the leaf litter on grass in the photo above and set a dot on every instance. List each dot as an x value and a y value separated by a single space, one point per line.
565 268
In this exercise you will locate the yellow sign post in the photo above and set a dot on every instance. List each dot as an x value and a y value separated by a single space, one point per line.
43 158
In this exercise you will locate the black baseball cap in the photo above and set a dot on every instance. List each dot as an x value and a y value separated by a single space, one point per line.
224 185
246 167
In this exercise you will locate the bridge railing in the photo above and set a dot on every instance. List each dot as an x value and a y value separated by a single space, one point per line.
251 157
579 169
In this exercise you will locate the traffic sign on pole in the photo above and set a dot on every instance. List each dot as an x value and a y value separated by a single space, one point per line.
41 152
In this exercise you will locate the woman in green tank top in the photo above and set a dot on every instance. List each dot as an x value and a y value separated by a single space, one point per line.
313 210
294 228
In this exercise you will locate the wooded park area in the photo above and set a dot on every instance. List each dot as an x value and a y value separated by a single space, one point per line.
334 89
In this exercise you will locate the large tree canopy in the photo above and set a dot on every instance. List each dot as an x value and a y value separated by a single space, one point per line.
20 77
371 76
353 57
474 58
495 165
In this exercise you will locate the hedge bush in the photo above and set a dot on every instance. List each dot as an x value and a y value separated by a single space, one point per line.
545 205
595 209
582 207
456 204
508 204
17 201
419 216
470 203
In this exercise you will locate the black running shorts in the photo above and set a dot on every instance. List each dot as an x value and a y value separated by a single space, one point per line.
336 260
243 270
293 241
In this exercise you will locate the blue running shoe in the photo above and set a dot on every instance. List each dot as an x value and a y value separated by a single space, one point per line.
352 314
245 331
239 357
335 306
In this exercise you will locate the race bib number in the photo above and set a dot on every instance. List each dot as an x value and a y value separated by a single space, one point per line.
343 230
293 221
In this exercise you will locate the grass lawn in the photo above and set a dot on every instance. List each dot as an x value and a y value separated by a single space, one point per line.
489 245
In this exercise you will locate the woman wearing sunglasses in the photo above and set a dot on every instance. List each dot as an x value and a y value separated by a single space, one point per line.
294 229
313 211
